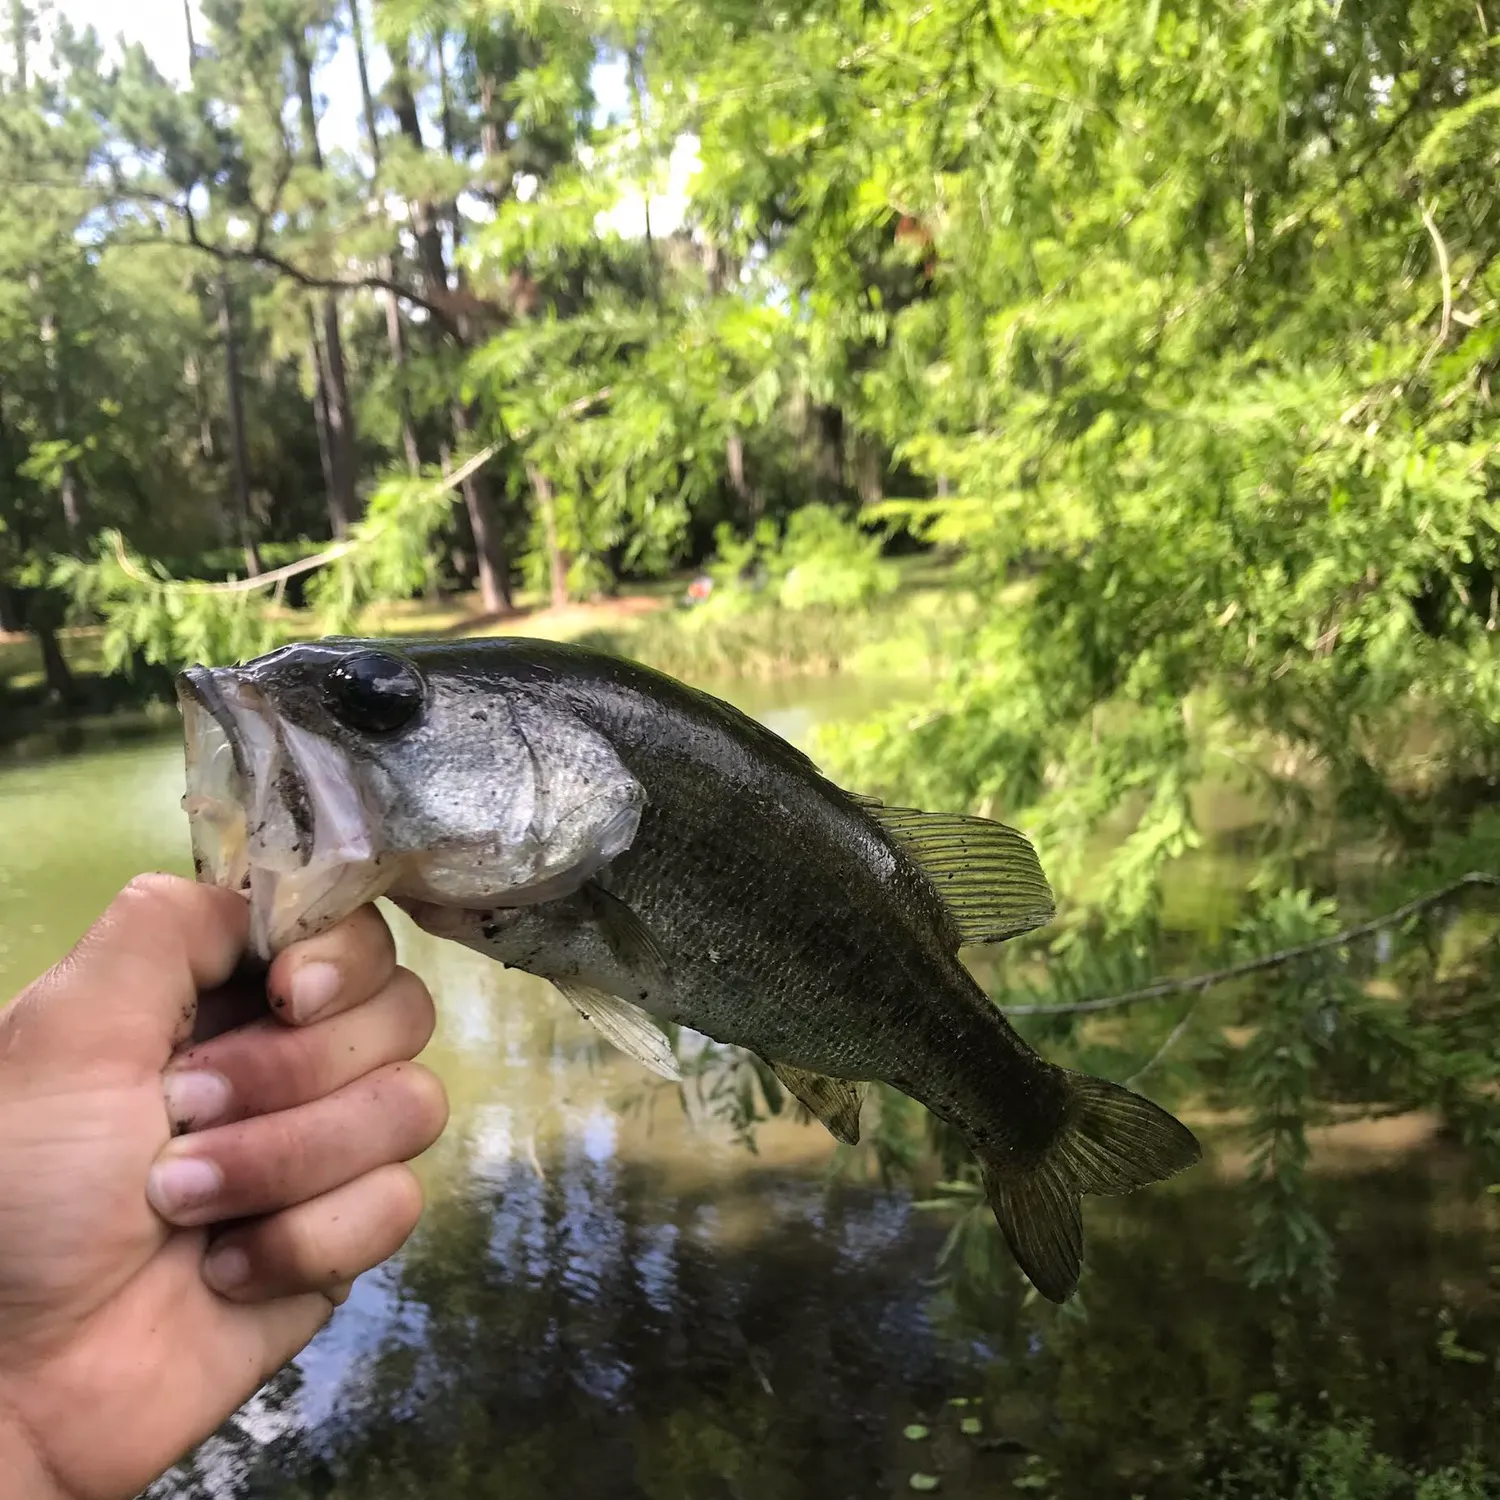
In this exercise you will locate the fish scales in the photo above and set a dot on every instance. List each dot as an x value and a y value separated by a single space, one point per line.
827 935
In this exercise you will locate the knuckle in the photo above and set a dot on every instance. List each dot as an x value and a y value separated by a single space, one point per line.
143 900
418 1013
286 1250
407 1197
280 1161
366 930
421 1102
153 889
301 1069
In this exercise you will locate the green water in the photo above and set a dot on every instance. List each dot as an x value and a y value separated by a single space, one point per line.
611 1297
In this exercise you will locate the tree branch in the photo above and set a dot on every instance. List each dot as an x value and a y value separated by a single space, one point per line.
448 307
1201 983
278 576
1440 245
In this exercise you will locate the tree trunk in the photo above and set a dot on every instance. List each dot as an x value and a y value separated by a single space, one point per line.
320 420
557 563
395 338
10 611
752 502
489 542
479 495
828 451
21 21
343 501
192 373
429 242
239 449
57 377
367 98
54 664
489 124
340 417
394 334
637 67
234 384
869 470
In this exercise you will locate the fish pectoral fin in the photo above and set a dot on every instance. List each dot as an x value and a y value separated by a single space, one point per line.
628 937
987 875
624 1024
835 1101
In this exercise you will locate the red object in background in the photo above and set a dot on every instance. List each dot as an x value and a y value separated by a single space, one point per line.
910 231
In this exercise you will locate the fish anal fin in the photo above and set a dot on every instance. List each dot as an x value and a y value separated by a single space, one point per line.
987 875
1112 1141
628 937
627 1026
834 1101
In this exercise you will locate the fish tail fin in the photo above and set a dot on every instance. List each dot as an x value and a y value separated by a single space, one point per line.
1112 1142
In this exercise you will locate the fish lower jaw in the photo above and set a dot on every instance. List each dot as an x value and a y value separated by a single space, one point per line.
288 906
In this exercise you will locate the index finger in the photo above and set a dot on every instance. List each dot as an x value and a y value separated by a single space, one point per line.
127 994
334 971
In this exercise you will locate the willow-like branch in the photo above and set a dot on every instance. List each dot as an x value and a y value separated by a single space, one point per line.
280 575
1201 983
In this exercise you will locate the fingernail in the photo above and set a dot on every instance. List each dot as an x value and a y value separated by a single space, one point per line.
181 1183
313 989
195 1098
226 1268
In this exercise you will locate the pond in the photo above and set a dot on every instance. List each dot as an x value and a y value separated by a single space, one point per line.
612 1296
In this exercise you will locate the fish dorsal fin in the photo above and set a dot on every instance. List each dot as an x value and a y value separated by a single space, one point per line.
624 1024
835 1101
987 875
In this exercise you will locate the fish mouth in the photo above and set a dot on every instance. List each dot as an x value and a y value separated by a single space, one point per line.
274 811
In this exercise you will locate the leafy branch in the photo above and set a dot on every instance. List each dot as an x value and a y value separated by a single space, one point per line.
1201 983
278 576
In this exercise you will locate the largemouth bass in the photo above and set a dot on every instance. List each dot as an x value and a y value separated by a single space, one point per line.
661 857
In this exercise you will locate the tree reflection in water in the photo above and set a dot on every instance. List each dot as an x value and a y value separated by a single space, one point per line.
596 1333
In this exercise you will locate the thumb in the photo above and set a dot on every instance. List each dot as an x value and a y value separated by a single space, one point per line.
128 992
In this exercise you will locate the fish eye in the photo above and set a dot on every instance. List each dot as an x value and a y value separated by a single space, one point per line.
374 693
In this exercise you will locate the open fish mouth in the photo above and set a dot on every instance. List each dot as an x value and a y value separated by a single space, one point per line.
274 811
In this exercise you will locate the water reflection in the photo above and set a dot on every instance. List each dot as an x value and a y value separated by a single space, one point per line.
612 1329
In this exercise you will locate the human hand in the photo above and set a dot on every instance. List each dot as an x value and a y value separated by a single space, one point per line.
175 1225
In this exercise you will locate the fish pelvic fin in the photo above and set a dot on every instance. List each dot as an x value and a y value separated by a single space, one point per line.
1113 1141
627 1026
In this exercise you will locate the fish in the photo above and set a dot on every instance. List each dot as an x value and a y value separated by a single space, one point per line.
664 860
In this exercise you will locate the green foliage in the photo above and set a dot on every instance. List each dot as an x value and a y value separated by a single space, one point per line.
1290 1455
1295 1024
817 560
1175 328
156 617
